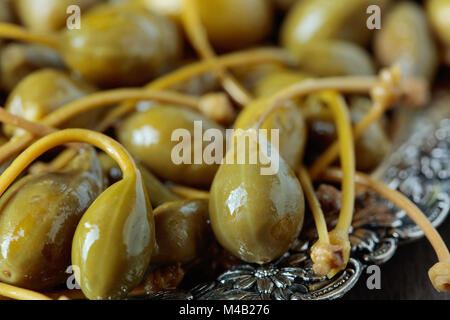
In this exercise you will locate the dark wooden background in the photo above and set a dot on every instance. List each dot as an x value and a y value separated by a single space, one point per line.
405 276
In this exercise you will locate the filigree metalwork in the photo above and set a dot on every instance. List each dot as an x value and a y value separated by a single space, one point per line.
420 169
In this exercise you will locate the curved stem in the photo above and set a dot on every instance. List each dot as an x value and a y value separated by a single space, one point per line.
90 102
402 202
314 205
239 58
13 292
15 32
30 126
102 99
384 93
347 155
199 39
305 87
331 153
188 192
107 144
248 57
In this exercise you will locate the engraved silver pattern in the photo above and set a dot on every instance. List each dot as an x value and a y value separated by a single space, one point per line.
420 169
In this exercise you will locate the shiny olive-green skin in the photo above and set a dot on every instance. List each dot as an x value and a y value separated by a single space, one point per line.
48 15
38 217
44 91
235 24
121 45
147 136
327 58
230 24
405 39
255 217
311 20
182 231
158 193
374 144
438 12
114 241
288 120
18 60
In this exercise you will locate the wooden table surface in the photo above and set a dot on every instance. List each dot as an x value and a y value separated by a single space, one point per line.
405 276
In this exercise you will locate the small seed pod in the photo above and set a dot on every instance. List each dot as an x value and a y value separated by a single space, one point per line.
18 60
182 231
148 137
334 58
39 215
44 91
121 45
114 241
235 24
311 20
255 216
406 39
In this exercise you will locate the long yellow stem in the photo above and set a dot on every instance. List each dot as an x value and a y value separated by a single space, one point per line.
13 292
15 32
337 105
305 87
188 192
440 272
90 102
402 202
167 81
30 126
331 153
239 58
107 144
387 89
314 205
199 39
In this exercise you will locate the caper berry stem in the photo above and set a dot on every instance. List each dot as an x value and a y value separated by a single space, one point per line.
402 202
325 256
13 292
235 59
15 32
247 57
383 94
30 126
314 205
339 235
341 114
188 192
91 102
359 84
199 40
107 144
